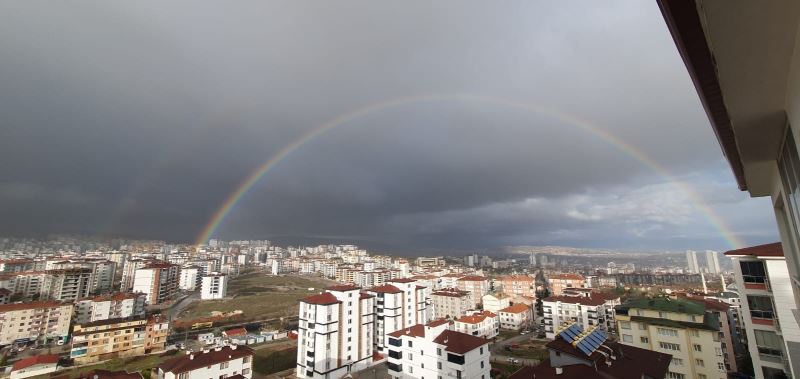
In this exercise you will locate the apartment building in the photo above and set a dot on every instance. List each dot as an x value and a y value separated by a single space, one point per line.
214 286
433 351
727 328
744 60
516 317
335 334
484 324
495 302
559 282
67 284
477 285
122 337
113 306
41 321
103 271
221 362
157 331
678 327
129 272
584 307
763 280
518 285
577 353
191 278
398 305
451 303
16 265
25 284
158 281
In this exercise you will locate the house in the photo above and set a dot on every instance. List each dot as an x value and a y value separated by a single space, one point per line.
495 302
220 362
235 332
35 365
481 324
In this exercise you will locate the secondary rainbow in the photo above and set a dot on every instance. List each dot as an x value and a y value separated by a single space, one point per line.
241 190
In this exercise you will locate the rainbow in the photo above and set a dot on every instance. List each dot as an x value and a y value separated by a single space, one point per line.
241 190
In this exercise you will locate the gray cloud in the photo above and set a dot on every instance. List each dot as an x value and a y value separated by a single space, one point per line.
140 118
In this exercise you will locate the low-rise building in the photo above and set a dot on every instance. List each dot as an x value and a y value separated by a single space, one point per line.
34 366
433 351
559 282
476 285
516 317
585 307
106 339
495 302
221 362
41 321
522 285
480 324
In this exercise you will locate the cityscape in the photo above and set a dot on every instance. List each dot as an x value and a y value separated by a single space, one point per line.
361 189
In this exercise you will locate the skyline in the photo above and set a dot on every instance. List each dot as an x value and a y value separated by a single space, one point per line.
125 134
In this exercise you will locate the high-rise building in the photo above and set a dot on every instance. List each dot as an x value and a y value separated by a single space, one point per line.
584 307
214 286
763 281
712 262
691 262
104 307
159 281
335 333
398 305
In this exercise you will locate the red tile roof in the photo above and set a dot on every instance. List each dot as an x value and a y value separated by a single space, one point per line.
472 278
591 300
343 287
31 305
235 332
365 295
326 298
403 280
476 318
768 250
438 322
565 276
516 308
459 343
35 360
413 331
193 361
515 278
388 288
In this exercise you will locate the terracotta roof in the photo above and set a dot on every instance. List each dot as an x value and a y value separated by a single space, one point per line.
343 287
631 362
326 298
105 374
31 305
516 278
35 360
413 331
365 295
459 343
424 277
438 322
768 250
388 288
472 278
451 293
203 359
476 318
516 308
403 280
235 332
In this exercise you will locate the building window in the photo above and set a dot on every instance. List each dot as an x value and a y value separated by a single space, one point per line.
697 347
695 333
667 332
627 338
669 346
644 339
224 365
677 361
699 363
675 375
624 325
410 344
789 166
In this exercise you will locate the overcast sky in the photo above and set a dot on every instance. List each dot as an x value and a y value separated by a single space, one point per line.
138 119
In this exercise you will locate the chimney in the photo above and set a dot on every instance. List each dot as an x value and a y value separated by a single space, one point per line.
191 357
559 370
233 347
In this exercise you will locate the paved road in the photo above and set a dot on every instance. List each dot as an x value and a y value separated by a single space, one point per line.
181 304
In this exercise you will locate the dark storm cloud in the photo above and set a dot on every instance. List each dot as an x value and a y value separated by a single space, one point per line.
140 118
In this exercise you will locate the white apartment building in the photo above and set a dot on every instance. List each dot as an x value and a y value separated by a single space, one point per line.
158 281
67 284
678 327
712 262
451 303
496 302
41 321
220 362
191 278
103 271
433 351
105 307
129 272
516 317
763 280
744 60
26 284
397 305
214 286
584 307
477 285
692 265
335 335
483 324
